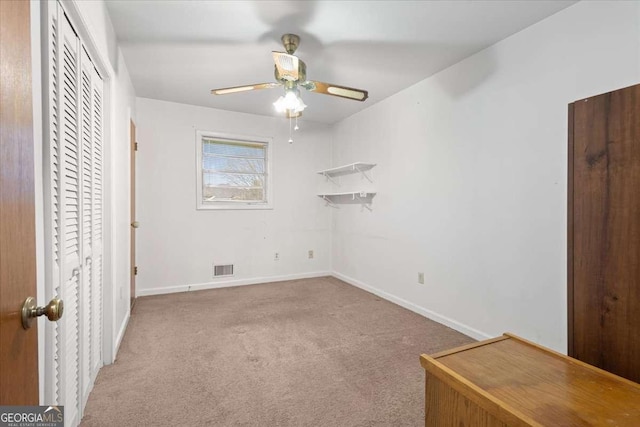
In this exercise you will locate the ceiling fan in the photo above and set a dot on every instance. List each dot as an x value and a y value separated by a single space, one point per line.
291 72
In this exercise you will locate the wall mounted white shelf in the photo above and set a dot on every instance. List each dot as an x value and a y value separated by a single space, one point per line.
362 198
358 167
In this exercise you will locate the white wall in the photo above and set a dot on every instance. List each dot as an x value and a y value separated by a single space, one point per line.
177 244
472 176
123 111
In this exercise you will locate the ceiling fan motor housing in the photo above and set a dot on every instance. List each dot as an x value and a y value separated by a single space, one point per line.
302 74
290 42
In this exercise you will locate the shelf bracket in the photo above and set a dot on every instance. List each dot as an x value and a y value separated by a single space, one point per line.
329 203
328 177
363 173
362 196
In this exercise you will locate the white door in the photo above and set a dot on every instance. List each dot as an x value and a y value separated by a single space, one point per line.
97 162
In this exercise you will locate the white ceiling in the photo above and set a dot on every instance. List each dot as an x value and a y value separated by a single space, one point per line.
179 50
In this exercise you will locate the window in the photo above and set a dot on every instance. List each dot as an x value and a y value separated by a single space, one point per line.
233 172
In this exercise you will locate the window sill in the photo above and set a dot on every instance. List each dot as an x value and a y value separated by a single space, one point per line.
234 206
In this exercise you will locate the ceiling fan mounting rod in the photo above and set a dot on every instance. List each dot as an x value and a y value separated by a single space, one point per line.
290 42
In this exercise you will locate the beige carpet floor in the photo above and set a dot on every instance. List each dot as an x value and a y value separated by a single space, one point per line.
312 352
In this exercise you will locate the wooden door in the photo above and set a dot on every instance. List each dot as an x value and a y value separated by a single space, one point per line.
604 231
18 347
134 224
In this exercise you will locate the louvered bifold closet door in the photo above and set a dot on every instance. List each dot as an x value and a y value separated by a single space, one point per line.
86 295
70 165
97 162
52 187
73 171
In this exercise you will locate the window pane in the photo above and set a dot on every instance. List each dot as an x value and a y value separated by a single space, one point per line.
232 164
232 180
219 194
233 149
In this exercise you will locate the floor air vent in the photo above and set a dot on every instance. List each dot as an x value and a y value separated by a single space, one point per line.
223 270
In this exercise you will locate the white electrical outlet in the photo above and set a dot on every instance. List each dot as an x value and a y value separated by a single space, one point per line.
276 257
421 278
311 254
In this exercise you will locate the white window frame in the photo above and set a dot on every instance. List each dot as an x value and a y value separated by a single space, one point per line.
268 142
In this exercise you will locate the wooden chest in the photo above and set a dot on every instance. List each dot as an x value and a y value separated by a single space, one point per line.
508 381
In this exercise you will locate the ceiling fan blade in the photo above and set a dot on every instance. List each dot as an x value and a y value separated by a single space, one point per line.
287 65
236 89
336 90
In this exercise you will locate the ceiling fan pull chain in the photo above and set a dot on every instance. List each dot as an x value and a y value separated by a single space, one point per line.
296 126
290 138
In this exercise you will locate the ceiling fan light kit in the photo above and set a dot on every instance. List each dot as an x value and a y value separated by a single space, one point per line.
291 72
290 103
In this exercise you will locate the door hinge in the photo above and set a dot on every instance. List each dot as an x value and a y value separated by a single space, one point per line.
135 270
136 146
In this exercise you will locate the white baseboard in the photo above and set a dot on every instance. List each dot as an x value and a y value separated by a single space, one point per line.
120 335
229 283
453 324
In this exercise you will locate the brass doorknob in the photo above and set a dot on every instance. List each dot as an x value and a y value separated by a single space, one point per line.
135 224
30 310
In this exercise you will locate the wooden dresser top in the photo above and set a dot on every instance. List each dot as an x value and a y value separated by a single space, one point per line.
541 386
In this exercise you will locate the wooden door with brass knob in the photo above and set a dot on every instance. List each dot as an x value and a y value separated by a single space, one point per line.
18 346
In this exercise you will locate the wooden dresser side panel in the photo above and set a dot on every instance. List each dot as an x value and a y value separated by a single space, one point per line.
444 406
